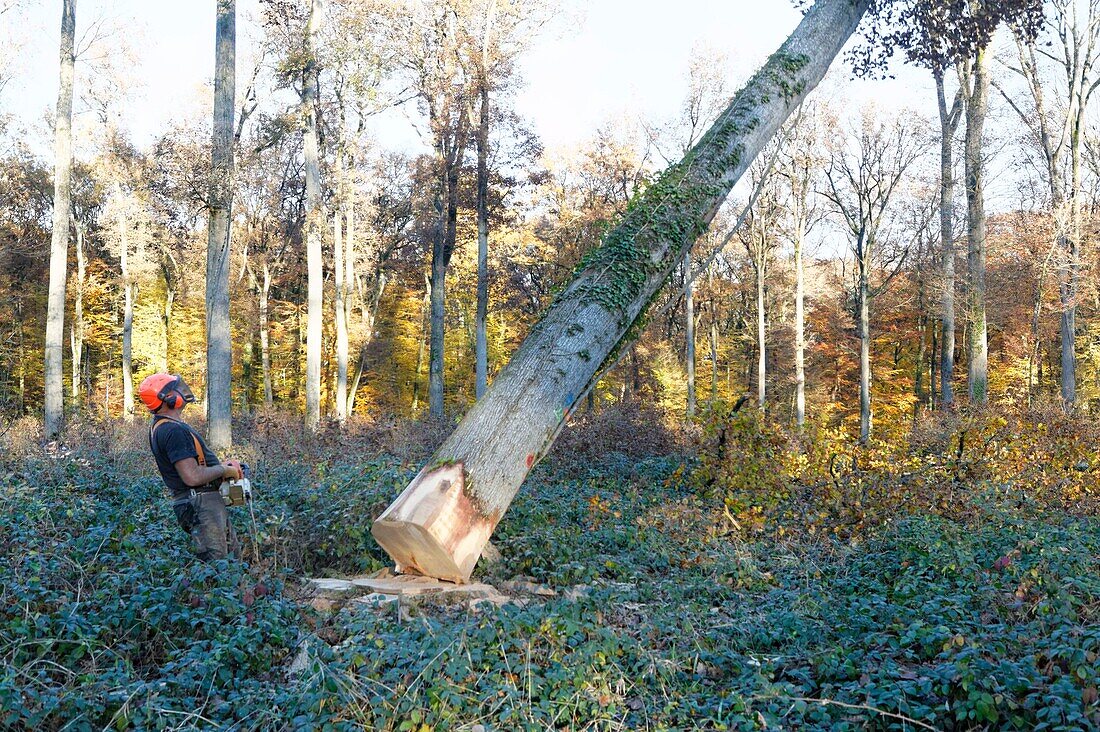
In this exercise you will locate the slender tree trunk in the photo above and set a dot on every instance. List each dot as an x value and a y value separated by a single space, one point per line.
127 315
761 337
22 348
1068 296
799 327
922 346
369 315
437 301
341 321
1073 265
425 318
442 248
349 289
975 258
59 245
76 331
689 333
713 340
949 120
713 360
864 329
166 317
933 366
265 337
482 345
219 339
314 263
482 464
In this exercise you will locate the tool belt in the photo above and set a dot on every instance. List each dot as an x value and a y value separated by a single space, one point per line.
179 498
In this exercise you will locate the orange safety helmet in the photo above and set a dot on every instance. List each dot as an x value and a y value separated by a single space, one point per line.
157 391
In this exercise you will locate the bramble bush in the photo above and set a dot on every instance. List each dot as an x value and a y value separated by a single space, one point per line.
980 613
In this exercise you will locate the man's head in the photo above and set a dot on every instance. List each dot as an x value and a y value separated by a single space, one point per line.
164 392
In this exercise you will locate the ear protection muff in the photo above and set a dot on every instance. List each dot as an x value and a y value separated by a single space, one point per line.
169 394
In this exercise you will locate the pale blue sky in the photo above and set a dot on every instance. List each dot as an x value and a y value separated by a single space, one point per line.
602 57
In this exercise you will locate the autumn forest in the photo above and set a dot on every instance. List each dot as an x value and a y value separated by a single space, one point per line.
778 404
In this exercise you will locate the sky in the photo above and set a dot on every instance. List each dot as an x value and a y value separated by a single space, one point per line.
597 60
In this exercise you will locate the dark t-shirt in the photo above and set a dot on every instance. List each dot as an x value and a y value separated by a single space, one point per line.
172 442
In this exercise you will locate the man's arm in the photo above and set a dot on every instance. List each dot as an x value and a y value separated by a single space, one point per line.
195 475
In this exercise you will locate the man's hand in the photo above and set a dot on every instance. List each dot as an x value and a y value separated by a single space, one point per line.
233 470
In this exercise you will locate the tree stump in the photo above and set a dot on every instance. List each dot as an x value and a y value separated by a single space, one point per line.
434 528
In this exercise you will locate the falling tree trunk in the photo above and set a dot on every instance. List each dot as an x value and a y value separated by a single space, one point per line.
127 315
441 522
689 333
863 325
799 327
482 345
59 244
949 121
219 346
341 320
76 330
314 265
976 225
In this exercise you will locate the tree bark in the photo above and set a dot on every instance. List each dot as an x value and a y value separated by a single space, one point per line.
369 311
425 325
863 324
219 344
482 344
799 327
713 360
437 324
440 524
761 332
76 330
976 108
949 122
349 288
169 302
341 320
689 334
54 406
127 312
265 335
314 263
919 390
451 147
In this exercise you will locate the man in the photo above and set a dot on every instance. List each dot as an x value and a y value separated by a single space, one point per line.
192 473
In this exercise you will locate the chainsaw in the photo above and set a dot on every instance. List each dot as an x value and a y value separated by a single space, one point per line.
238 492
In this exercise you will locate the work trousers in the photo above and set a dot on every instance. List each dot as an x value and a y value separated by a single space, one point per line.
205 518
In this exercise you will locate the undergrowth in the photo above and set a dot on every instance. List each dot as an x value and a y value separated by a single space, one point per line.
855 597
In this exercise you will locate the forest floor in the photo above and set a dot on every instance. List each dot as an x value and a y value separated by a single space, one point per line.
666 612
